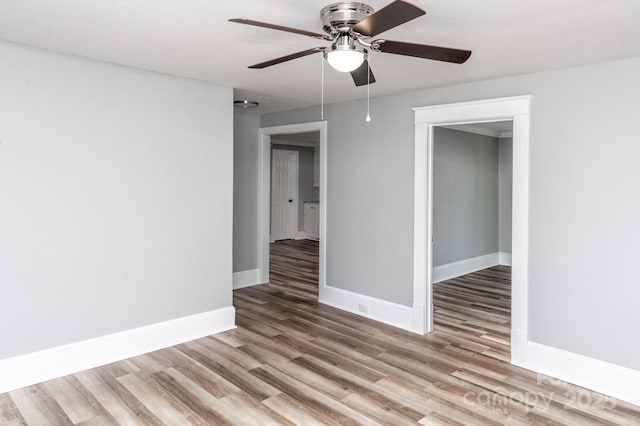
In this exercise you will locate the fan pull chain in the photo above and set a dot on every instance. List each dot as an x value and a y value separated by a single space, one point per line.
368 119
322 88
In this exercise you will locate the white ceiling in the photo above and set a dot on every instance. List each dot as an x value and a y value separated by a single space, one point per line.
300 139
192 38
496 129
497 126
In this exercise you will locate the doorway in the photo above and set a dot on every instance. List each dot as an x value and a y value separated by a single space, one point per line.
516 109
264 194
471 211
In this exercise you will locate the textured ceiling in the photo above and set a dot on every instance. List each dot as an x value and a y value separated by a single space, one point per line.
192 38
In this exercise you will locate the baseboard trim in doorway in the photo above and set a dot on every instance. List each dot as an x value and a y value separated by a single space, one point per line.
464 267
242 279
37 367
600 376
504 258
300 235
376 309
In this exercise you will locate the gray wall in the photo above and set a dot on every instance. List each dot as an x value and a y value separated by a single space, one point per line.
306 191
505 185
584 204
369 198
465 195
116 194
245 180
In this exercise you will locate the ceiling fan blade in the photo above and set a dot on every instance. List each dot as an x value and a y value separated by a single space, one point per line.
280 28
287 58
438 53
359 75
388 17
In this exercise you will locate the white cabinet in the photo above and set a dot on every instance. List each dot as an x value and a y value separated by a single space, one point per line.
316 167
312 220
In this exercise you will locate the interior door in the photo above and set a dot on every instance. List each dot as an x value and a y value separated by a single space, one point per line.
284 194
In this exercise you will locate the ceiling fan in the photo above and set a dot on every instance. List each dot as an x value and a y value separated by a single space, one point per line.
349 26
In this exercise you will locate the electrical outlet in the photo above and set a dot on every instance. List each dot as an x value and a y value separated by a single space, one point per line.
363 308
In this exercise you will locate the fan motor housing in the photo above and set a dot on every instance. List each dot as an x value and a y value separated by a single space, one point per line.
340 17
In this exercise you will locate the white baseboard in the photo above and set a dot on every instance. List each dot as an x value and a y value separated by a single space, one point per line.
504 258
463 267
467 266
299 235
37 367
600 376
246 278
377 309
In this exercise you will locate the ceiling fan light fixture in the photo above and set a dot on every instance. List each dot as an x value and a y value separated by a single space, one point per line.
350 27
345 60
344 55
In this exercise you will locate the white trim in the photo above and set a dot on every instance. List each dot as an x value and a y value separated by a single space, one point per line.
520 219
300 235
504 258
609 379
242 279
37 367
463 267
264 178
467 266
422 264
376 309
507 105
426 118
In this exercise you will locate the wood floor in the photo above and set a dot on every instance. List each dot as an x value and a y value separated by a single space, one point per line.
293 361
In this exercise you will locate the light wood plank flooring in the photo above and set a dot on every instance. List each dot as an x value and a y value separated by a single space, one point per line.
293 361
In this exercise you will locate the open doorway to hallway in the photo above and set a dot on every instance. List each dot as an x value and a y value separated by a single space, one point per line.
471 256
264 193
295 186
294 230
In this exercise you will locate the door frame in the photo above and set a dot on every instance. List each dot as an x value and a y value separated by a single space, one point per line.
264 193
296 199
516 109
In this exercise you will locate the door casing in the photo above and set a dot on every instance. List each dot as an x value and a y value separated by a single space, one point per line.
516 109
264 195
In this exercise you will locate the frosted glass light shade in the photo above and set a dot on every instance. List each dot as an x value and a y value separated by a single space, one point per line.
345 60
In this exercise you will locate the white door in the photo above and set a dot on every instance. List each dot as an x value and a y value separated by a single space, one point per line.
284 194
